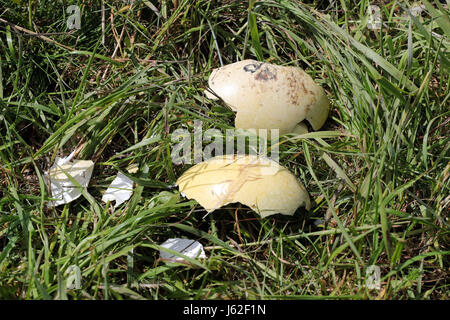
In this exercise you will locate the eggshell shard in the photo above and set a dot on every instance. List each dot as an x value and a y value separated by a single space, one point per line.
257 182
190 248
267 96
120 190
61 187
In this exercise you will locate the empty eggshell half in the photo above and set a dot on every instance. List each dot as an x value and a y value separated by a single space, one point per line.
267 96
257 182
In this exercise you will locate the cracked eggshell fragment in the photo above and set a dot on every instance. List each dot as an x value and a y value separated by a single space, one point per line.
120 190
267 96
257 182
190 248
61 187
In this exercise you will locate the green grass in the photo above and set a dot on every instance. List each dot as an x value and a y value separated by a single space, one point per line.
378 174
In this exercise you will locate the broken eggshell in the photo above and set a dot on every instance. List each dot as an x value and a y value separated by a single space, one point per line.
267 96
120 190
61 186
257 182
187 247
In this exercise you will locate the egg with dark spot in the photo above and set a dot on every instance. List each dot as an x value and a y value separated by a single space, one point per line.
268 96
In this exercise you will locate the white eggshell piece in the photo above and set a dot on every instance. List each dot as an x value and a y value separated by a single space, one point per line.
61 188
120 190
190 248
